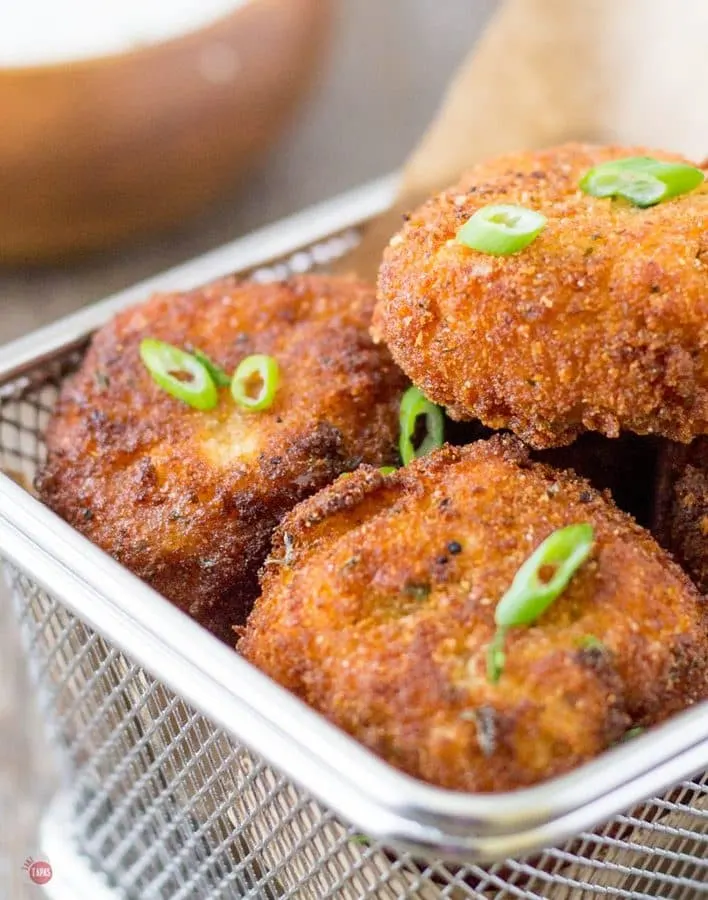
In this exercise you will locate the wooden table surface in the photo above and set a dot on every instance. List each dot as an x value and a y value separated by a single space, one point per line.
387 70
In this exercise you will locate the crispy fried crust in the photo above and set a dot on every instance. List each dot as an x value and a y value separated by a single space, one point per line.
186 499
599 324
378 605
681 520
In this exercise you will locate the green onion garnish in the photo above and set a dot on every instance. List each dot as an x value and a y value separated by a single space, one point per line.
219 376
540 580
591 642
179 373
387 470
496 657
641 180
631 734
415 404
501 229
256 382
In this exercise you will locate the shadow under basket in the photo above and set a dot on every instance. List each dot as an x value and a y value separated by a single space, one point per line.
175 791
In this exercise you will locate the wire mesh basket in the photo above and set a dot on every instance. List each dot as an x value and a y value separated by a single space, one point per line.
187 774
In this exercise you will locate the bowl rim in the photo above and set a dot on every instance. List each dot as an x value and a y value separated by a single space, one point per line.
134 53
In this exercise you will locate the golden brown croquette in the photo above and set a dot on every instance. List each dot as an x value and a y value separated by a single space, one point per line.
378 608
599 324
188 499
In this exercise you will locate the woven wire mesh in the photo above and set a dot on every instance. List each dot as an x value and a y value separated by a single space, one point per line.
166 805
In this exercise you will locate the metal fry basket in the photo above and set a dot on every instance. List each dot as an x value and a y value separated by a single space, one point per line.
187 774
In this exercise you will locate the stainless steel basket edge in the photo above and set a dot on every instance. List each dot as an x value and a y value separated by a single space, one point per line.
375 797
379 800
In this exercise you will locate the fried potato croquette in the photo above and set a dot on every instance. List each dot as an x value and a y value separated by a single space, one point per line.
599 324
378 608
188 499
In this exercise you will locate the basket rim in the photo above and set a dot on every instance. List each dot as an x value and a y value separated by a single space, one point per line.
378 799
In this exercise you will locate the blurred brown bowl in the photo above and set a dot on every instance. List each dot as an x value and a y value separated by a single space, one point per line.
101 150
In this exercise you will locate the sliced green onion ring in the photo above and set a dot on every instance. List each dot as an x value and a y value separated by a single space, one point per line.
641 180
415 404
387 470
219 376
501 229
540 580
563 551
179 374
260 372
679 178
641 189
